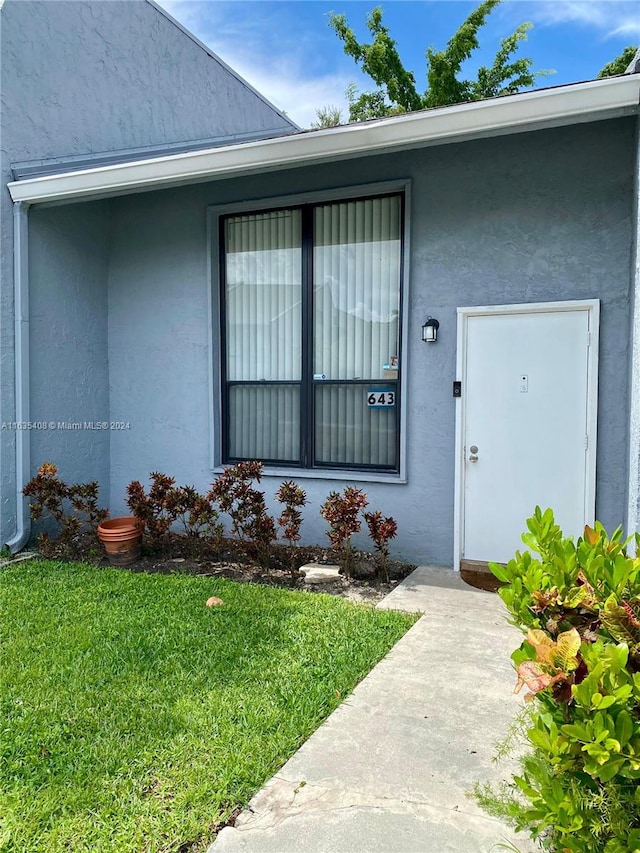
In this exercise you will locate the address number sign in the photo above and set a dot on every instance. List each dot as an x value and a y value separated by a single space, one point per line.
381 399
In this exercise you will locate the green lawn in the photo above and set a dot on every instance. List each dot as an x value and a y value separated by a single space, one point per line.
134 718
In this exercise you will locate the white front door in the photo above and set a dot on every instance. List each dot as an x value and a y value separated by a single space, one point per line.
526 431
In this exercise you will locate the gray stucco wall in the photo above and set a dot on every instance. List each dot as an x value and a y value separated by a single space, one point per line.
88 77
83 77
533 217
68 260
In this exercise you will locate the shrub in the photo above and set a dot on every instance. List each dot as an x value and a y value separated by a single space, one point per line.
579 605
293 497
381 531
234 492
153 509
166 503
198 516
74 508
342 511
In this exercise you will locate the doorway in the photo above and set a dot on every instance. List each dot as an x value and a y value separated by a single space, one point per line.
525 424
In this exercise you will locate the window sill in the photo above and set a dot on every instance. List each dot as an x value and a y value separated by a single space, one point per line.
349 476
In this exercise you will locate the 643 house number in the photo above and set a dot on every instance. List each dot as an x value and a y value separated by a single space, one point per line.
381 399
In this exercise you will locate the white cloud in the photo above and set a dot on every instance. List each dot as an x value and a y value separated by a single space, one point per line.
611 17
287 85
277 64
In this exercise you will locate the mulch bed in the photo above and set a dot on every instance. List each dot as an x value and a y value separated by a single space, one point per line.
235 563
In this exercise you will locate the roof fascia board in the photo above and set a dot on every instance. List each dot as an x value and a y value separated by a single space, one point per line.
23 170
565 105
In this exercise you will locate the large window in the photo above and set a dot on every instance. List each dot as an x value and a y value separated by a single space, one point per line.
311 334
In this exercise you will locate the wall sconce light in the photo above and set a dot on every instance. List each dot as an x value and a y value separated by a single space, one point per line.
430 330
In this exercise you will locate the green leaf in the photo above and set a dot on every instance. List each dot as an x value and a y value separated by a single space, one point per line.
624 727
531 541
610 769
540 739
499 571
576 731
574 597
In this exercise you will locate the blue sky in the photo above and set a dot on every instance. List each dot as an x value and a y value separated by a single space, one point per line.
286 49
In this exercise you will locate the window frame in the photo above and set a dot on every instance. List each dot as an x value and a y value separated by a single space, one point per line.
218 385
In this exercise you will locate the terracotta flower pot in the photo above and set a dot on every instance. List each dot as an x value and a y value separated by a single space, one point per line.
122 540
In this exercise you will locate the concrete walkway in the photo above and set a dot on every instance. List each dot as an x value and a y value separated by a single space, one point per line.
388 770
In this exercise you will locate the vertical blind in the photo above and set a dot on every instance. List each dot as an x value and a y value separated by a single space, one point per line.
348 432
354 251
356 263
265 422
356 296
263 284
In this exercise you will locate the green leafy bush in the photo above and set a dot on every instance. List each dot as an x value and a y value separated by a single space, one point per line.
579 605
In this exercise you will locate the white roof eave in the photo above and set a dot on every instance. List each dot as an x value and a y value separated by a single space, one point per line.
563 105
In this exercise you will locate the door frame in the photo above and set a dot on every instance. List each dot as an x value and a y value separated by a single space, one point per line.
592 306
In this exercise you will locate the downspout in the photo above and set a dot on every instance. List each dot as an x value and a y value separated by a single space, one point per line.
21 358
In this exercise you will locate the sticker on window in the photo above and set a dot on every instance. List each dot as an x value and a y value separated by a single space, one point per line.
381 398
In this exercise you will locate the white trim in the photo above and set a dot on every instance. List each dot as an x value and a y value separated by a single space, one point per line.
592 412
214 212
633 497
580 102
592 306
458 491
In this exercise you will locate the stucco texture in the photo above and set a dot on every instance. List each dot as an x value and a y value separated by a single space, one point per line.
529 218
68 319
80 78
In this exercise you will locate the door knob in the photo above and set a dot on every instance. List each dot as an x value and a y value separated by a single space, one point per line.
473 450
